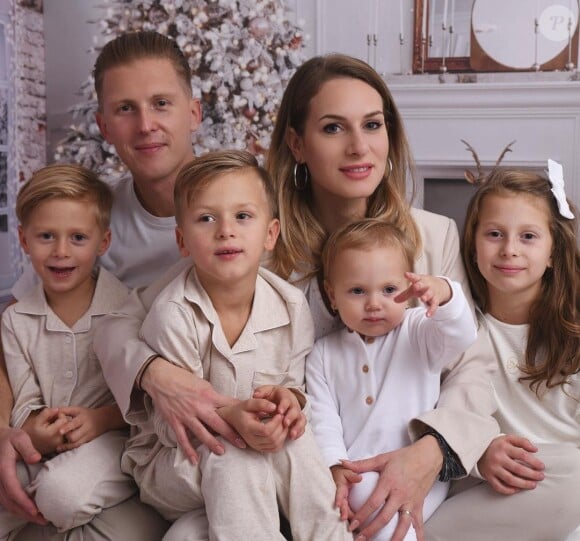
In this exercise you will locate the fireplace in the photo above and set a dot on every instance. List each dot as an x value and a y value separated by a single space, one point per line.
540 111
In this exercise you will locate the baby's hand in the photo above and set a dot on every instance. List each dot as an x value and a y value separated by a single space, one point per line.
84 425
344 479
288 404
430 290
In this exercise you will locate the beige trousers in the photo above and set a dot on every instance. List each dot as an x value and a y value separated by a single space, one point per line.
130 520
73 487
550 512
241 490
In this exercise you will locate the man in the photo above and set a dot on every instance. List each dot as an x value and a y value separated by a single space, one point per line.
147 112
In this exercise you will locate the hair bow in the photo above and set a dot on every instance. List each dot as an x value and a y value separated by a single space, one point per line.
556 177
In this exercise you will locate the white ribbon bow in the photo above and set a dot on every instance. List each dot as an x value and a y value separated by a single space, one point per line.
556 176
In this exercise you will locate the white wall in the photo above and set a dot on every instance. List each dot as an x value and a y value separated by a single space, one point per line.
69 36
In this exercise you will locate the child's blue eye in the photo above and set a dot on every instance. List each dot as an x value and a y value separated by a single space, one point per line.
206 218
243 215
389 290
79 237
357 290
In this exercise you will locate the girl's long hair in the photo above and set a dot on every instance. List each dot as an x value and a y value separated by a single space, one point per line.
302 234
553 346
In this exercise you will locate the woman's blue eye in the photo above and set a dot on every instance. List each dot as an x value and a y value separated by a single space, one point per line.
331 128
374 125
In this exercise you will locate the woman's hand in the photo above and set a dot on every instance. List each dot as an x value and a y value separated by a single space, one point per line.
189 403
405 477
509 466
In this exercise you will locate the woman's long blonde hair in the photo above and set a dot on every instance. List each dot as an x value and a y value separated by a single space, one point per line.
302 234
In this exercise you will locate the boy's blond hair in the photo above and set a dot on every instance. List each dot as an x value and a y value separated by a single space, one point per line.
198 173
365 235
71 182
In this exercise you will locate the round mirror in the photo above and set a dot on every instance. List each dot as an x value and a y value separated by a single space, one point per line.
522 34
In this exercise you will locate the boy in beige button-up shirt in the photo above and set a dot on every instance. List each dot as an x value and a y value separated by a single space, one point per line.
60 396
247 332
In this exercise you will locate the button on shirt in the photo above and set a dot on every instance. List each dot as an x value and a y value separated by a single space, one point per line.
364 393
50 364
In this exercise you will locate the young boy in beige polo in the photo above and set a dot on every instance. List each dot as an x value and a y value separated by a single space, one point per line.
247 332
60 396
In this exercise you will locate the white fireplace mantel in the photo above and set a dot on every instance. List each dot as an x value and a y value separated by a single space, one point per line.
541 112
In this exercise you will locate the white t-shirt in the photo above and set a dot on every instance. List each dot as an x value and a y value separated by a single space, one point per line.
554 417
142 248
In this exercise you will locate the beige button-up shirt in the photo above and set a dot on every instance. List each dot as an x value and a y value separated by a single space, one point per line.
50 364
184 328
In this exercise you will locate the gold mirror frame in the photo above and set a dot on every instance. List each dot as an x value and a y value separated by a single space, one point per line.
422 63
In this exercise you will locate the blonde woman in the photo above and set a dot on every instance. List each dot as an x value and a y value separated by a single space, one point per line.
338 154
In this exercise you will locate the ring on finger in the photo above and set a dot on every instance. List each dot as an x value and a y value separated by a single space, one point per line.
405 512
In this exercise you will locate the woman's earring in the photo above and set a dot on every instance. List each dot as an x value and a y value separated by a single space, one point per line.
390 164
297 184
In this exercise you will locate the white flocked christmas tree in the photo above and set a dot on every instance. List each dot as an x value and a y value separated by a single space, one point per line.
241 52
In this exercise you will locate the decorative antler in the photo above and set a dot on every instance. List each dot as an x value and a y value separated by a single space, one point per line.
507 149
477 179
469 176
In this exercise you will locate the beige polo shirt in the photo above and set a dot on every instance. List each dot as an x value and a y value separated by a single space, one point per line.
50 364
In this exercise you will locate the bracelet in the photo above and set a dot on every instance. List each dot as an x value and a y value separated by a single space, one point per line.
142 371
452 467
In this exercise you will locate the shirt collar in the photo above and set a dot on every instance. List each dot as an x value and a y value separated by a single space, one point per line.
268 311
108 291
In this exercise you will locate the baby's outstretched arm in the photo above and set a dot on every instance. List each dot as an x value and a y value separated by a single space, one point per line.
430 290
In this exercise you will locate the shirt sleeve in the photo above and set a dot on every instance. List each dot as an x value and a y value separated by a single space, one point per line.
21 373
326 422
464 413
121 352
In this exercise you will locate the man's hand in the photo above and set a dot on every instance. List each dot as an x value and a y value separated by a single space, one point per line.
509 466
288 405
344 479
405 477
15 444
188 403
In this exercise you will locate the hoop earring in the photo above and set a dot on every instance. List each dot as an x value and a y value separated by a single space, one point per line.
300 185
390 164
